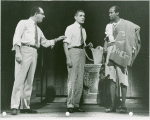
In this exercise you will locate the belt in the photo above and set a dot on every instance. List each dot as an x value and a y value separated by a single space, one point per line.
33 46
76 47
80 47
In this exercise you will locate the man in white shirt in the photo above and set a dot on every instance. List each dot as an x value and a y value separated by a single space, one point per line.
27 39
75 59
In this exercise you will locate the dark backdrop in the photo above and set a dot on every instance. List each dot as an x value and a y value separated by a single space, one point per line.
58 16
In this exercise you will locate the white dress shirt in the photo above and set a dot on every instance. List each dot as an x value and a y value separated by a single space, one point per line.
25 33
73 34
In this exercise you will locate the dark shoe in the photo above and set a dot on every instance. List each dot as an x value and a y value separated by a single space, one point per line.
27 111
123 110
70 110
111 109
14 111
79 109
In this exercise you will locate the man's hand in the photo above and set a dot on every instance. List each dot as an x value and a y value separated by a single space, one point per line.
69 63
90 45
18 58
60 38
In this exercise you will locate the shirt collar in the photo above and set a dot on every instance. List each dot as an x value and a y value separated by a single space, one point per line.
77 24
31 21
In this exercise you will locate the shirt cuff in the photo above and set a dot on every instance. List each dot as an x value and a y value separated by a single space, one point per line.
66 41
19 44
52 42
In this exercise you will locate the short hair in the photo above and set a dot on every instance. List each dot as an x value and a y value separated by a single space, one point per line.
34 10
76 13
117 9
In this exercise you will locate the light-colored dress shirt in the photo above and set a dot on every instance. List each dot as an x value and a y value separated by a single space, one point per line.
73 34
25 33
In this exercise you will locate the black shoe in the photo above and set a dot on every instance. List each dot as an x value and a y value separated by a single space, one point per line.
27 111
70 110
14 111
123 110
111 109
79 109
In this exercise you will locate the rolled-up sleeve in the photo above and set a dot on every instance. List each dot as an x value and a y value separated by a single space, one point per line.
18 34
46 43
68 34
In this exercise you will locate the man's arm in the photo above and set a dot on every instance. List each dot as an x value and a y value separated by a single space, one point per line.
17 40
46 43
105 46
18 34
136 48
18 54
68 34
68 60
109 37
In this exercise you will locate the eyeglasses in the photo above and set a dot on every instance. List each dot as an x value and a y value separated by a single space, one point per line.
41 13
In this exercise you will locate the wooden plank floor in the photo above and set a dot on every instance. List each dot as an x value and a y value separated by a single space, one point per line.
57 110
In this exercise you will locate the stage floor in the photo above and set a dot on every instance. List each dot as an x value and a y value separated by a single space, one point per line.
57 110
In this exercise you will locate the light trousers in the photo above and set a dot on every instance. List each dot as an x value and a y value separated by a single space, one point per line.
75 77
24 75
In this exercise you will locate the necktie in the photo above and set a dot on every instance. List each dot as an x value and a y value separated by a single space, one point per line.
36 36
82 40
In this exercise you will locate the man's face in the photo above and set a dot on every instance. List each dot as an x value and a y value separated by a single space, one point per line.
40 16
80 17
112 14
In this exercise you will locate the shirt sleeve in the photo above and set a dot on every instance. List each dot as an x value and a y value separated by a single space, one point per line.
18 34
68 34
109 32
46 43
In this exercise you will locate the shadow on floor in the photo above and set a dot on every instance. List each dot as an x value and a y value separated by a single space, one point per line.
38 105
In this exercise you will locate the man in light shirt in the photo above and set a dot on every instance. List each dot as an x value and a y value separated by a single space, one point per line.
27 39
75 58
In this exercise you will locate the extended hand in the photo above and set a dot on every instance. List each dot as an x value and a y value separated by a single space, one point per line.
19 58
60 38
